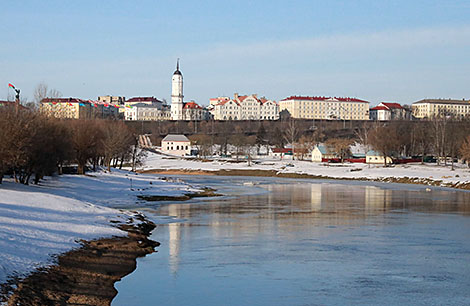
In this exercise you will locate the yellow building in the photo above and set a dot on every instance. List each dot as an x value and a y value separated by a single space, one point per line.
429 108
327 108
73 108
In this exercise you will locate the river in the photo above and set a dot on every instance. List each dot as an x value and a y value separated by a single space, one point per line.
306 242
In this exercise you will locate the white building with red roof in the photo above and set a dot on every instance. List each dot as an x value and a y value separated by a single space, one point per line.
327 108
248 107
386 111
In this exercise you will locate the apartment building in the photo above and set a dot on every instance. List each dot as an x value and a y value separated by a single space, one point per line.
429 108
327 108
248 107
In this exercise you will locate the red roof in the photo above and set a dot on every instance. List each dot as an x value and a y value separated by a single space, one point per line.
191 105
226 101
143 99
341 99
282 150
63 100
379 108
241 98
392 105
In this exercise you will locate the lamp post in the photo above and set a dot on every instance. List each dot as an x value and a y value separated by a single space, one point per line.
344 120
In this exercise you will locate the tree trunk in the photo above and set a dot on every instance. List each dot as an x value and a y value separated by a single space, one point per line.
37 177
81 168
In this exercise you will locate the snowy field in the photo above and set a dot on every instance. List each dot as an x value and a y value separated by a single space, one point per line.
37 222
356 171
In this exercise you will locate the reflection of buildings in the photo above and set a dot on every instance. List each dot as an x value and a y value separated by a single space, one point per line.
377 198
292 208
174 237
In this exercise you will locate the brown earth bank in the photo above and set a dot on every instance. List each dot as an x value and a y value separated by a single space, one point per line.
205 193
86 276
274 173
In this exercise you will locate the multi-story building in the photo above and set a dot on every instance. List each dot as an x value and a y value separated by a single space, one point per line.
328 108
74 108
386 111
193 111
145 100
429 108
115 100
147 112
248 107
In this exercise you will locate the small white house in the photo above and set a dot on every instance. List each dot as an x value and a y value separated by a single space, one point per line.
320 154
374 157
176 145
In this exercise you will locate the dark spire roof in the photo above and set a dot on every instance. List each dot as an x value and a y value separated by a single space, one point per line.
177 67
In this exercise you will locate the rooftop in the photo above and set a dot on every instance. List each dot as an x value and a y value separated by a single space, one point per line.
391 105
325 99
175 137
443 101
144 99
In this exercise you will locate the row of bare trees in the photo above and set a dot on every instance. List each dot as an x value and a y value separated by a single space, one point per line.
443 137
33 145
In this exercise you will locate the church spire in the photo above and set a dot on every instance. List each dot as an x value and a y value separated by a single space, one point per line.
177 67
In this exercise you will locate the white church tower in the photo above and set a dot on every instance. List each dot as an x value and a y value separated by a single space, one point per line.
177 94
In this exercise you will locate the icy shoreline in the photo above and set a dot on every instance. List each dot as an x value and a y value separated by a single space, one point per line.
427 174
39 222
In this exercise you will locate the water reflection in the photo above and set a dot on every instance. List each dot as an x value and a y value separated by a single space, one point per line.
288 206
294 242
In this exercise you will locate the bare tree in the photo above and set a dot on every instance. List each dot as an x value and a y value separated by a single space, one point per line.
42 91
291 134
423 138
465 150
203 143
340 146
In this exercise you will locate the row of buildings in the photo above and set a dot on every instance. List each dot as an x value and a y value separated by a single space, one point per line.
247 107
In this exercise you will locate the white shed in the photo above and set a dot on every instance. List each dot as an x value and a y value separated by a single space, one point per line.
374 157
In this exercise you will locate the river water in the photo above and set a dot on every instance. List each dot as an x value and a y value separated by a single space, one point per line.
306 242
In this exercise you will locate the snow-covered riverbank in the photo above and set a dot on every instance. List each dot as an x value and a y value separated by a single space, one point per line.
39 222
428 174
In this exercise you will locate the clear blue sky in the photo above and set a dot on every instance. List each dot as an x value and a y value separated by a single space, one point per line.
375 50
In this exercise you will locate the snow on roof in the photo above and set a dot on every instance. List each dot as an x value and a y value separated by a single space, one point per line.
174 137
